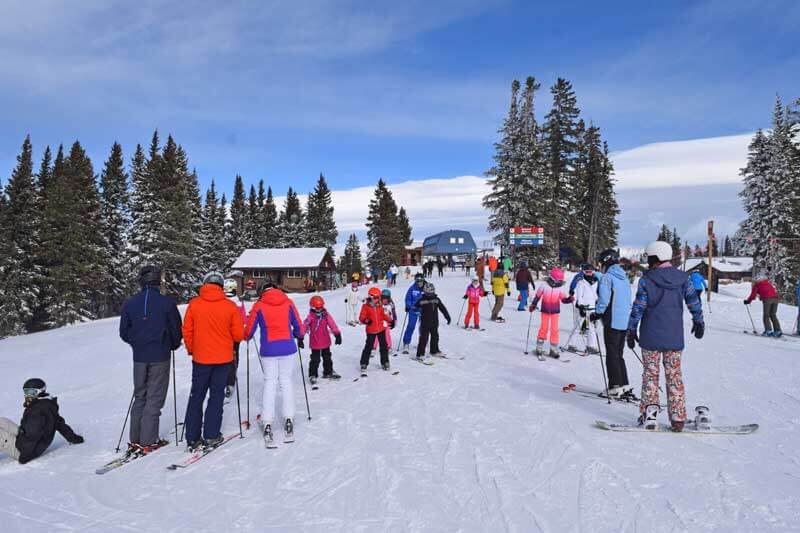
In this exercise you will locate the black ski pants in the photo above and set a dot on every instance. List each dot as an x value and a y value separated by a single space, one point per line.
426 331
615 364
770 315
327 362
370 342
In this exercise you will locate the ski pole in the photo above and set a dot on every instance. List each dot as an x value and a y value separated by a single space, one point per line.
460 312
642 363
751 319
130 406
174 397
528 335
303 374
239 406
572 333
402 332
248 384
602 366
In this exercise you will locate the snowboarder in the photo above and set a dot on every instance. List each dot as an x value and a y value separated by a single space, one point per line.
473 295
662 291
390 311
353 300
40 421
278 321
151 324
614 309
585 302
524 281
499 290
430 305
373 316
319 325
413 295
211 326
699 283
551 297
769 300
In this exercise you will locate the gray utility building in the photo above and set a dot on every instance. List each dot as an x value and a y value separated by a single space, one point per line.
450 242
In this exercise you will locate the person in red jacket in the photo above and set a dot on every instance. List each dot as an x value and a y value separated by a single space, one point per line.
373 316
210 328
769 299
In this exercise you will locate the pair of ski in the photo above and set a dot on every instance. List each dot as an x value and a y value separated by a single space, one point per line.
542 357
128 457
363 374
781 338
600 395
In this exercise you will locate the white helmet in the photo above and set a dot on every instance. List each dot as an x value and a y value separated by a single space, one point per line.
659 249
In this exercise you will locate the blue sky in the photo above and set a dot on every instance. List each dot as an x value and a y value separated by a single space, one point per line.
360 90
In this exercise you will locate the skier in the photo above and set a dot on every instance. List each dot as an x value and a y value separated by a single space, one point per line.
394 272
480 269
551 297
585 302
587 269
440 266
506 262
469 262
39 423
413 295
699 283
473 295
658 305
614 309
319 325
276 316
211 326
524 281
390 311
352 301
430 305
769 301
151 324
373 316
408 272
499 290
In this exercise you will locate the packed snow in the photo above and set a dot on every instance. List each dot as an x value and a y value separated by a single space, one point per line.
487 443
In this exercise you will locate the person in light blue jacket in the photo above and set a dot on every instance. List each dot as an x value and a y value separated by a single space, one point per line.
698 282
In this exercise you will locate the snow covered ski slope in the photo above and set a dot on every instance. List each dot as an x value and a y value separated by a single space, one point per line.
487 443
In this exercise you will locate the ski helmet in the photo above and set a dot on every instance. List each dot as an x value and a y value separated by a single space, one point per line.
475 279
587 267
523 263
660 250
429 288
386 293
34 388
149 275
374 292
609 257
317 302
214 278
557 275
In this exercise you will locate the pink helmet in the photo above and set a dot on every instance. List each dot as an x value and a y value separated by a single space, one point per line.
556 274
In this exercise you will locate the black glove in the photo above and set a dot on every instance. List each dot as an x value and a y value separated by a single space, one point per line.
571 292
699 329
582 311
508 293
594 317
77 439
368 322
465 297
408 310
532 308
338 338
448 321
300 343
632 339
747 302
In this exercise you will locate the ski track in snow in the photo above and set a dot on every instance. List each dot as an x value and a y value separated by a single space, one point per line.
488 443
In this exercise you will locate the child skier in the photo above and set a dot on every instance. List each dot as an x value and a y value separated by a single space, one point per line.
352 301
499 290
38 426
373 316
473 295
552 297
769 300
390 311
430 305
320 324
585 302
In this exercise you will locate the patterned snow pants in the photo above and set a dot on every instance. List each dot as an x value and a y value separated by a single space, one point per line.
676 397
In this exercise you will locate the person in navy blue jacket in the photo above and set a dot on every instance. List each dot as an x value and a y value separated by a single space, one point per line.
413 296
662 293
151 324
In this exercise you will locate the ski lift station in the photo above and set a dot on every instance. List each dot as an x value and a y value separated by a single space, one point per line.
449 243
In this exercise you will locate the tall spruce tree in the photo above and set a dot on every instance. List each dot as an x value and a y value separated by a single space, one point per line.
404 225
260 222
115 208
251 222
270 217
385 240
212 249
145 206
350 261
237 227
292 229
320 221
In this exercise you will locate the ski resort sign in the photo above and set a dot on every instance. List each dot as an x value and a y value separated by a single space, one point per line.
526 236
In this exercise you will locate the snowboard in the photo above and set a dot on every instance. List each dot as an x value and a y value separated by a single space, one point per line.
689 428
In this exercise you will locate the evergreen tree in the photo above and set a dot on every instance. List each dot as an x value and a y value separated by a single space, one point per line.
727 247
351 258
405 227
212 249
196 206
116 225
292 231
259 221
385 240
320 221
270 217
145 206
237 230
251 221
44 181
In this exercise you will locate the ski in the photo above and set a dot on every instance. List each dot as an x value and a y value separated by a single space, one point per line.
755 334
689 428
443 356
125 459
204 451
422 361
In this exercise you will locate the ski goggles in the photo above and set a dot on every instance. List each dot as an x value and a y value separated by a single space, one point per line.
31 393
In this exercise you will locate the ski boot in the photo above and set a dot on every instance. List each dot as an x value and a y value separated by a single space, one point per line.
312 380
572 348
363 371
406 348
213 443
554 353
648 419
702 418
628 395
332 375
194 446
540 349
288 429
269 440
767 333
134 448
385 366
592 351
777 334
677 425
153 447
615 393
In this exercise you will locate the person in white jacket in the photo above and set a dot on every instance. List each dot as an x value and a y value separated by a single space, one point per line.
585 302
353 301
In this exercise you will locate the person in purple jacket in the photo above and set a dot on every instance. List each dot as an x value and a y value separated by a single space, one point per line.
319 325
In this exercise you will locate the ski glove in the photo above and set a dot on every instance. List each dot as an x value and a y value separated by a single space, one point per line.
77 439
391 324
532 308
338 339
448 321
300 343
508 293
465 296
594 317
747 302
632 339
699 329
582 310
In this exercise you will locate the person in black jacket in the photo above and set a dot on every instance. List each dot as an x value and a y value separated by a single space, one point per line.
429 306
38 426
151 324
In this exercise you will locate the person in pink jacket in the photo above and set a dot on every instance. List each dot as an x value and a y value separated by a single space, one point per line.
473 296
320 324
551 297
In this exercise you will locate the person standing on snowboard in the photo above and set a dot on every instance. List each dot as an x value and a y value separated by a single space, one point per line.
430 305
662 292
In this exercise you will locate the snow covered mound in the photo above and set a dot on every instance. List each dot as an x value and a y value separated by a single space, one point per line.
487 443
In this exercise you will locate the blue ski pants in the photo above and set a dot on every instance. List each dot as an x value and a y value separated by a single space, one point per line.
412 325
206 378
523 300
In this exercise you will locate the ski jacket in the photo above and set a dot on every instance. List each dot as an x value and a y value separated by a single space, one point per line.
586 294
430 305
413 295
211 326
698 281
659 305
764 290
38 427
353 295
375 315
499 283
151 324
579 276
390 310
278 321
552 298
319 328
507 264
614 298
492 264
474 294
523 279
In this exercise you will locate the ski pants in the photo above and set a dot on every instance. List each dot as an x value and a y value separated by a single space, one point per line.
549 321
327 362
277 370
586 329
209 379
150 385
770 315
388 339
234 367
8 438
797 322
615 363
413 316
381 338
467 270
498 305
473 308
352 302
523 300
676 396
424 333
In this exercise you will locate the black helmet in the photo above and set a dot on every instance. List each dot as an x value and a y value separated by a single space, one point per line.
586 266
34 388
215 278
429 288
608 257
523 263
419 276
149 275
266 285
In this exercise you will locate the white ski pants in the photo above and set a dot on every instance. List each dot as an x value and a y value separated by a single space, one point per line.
8 438
589 337
353 303
277 370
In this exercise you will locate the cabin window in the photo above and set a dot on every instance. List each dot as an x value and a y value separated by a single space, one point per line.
297 274
258 273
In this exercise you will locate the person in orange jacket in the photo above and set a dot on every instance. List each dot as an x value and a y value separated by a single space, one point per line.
210 328
374 317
